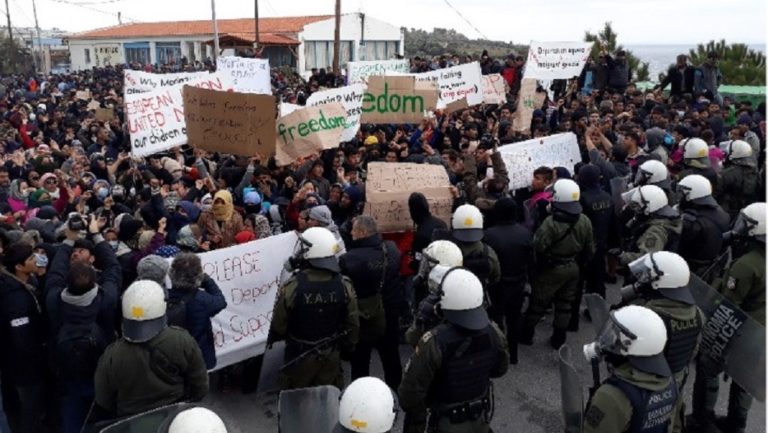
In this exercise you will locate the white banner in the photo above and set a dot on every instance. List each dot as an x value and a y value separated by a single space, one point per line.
351 97
556 60
156 118
521 159
287 108
248 276
140 82
457 82
357 72
248 75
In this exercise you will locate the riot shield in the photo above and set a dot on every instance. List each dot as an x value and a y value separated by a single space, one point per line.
598 310
618 187
731 338
305 410
571 394
274 358
147 422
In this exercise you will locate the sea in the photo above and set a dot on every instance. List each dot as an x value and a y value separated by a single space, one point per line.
659 57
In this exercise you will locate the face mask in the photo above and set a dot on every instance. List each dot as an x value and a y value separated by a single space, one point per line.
102 193
207 207
114 244
41 260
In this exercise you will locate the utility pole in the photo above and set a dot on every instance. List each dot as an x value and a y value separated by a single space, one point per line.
215 32
10 36
336 39
256 26
39 40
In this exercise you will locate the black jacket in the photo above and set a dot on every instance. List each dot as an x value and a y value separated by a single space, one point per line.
22 333
512 243
598 207
363 265
425 224
675 77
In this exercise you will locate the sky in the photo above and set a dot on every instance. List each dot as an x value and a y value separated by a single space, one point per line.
636 21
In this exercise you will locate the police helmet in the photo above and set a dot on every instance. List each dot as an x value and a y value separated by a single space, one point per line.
143 311
197 420
461 299
666 272
467 223
565 196
367 406
696 189
318 246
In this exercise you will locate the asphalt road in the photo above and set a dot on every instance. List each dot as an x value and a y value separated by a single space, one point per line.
527 397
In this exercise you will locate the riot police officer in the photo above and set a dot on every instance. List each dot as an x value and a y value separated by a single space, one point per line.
737 183
562 244
696 160
367 406
661 280
196 420
704 223
438 257
655 226
467 233
316 313
449 374
744 285
653 172
641 394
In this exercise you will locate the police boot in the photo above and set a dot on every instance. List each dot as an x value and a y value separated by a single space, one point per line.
526 335
701 424
731 425
557 339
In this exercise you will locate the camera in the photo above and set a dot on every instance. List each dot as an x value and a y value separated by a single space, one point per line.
76 222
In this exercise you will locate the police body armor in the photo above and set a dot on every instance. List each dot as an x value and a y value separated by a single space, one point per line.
746 191
651 410
639 227
461 386
319 309
480 265
705 246
682 337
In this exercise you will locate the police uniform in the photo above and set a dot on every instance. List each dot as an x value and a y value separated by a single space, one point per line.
684 323
561 247
661 232
425 318
744 285
632 401
481 260
701 239
737 187
313 305
449 376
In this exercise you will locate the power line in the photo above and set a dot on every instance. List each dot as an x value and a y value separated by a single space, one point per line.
90 8
465 19
24 13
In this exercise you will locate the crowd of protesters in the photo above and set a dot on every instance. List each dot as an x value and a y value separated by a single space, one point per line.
81 219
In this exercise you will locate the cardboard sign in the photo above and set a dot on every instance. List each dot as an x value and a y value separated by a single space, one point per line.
494 89
556 60
141 82
287 108
358 72
351 97
527 102
393 99
104 114
84 95
309 130
248 276
456 106
248 75
228 122
456 83
521 159
156 119
388 187
93 105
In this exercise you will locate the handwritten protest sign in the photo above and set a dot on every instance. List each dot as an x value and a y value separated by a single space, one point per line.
351 97
156 119
521 159
309 130
457 82
494 89
388 187
358 72
556 60
248 75
248 276
393 99
287 108
456 106
228 122
140 82
104 114
84 95
528 101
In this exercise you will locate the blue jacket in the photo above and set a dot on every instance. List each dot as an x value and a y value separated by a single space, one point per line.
207 303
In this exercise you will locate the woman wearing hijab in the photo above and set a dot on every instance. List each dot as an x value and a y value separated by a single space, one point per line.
221 223
18 195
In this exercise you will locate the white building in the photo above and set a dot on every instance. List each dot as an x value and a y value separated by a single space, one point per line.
301 42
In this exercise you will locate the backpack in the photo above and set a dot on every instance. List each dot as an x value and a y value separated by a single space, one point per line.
177 310
78 348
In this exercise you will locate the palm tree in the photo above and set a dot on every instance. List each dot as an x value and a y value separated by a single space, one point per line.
738 64
609 39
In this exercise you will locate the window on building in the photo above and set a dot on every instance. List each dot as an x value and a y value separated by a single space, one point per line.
319 54
87 56
168 52
379 50
137 52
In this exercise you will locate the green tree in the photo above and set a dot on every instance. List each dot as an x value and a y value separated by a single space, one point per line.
609 39
14 58
738 64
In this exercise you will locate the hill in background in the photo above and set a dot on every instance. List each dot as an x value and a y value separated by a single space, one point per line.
448 41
